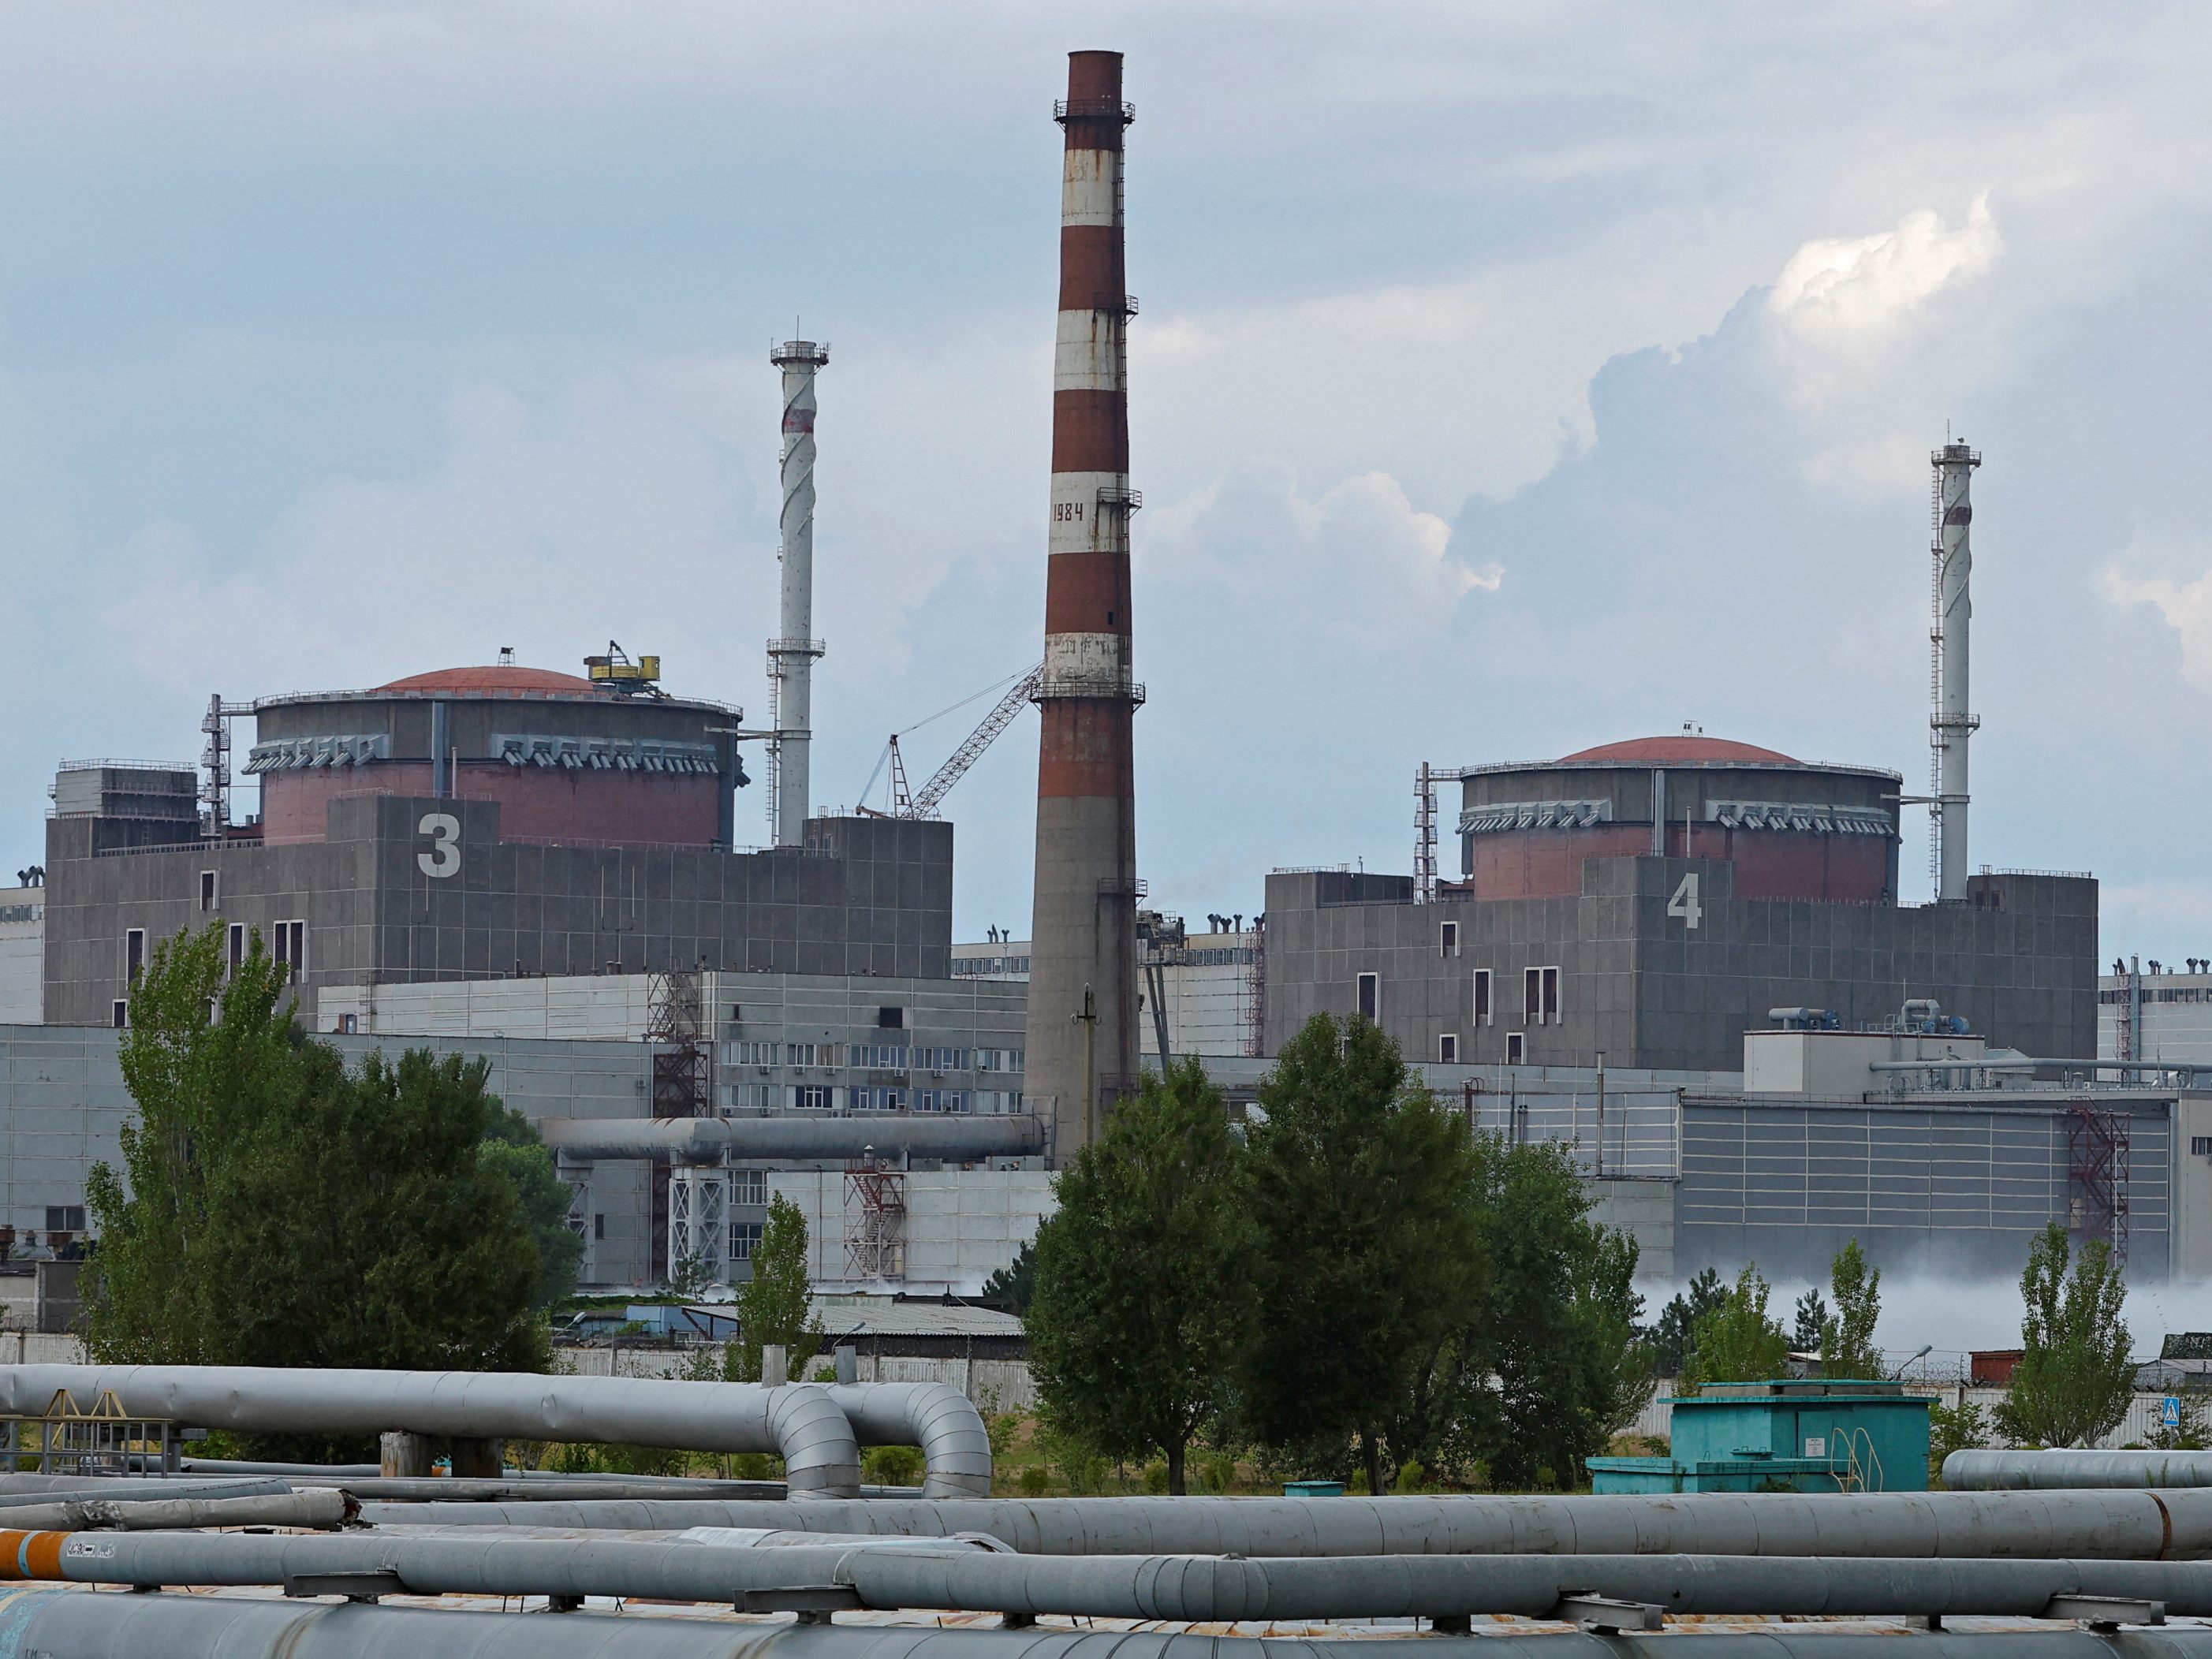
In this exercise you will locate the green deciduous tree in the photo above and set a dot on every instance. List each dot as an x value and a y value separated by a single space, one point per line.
1737 1341
1847 1346
513 1146
2074 1377
777 1304
1144 1292
1954 1428
1557 1366
273 1209
1674 1333
1364 1191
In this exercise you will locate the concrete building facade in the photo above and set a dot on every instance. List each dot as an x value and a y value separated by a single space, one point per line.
1659 963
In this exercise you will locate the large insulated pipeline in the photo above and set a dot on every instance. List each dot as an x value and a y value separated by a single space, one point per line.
796 1421
52 1488
707 1139
70 1624
327 1508
1184 1590
937 1417
2115 1525
2068 1470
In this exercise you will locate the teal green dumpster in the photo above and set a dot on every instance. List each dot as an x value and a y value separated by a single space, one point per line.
1826 1434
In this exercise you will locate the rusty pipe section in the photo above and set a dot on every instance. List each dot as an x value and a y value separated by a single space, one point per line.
2067 1470
323 1508
2112 1525
797 1421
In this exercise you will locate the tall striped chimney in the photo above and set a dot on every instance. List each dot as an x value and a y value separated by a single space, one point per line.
1082 1038
791 654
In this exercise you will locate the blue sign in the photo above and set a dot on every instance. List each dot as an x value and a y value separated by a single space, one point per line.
2169 1412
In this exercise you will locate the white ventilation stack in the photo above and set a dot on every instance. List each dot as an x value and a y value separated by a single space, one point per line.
1951 724
791 655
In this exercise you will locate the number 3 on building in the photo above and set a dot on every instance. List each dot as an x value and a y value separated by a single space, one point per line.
1683 904
444 858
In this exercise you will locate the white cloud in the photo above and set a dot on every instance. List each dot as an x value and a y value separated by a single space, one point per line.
2187 608
1851 286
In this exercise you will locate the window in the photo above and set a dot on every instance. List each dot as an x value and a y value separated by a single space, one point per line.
877 1057
744 1239
235 942
2200 1145
206 890
1482 996
940 1100
890 1019
1540 996
122 1014
598 1226
1447 1048
64 1218
289 945
999 1060
1369 1003
752 1054
996 1101
810 1096
876 1098
809 1054
134 954
941 1060
749 1185
1448 939
1516 1047
349 1024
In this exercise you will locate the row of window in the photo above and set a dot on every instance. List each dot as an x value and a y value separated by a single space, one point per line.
864 1097
874 1056
1539 996
1516 1048
287 942
975 966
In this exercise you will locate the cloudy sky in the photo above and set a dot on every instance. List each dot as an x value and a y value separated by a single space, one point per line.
1511 378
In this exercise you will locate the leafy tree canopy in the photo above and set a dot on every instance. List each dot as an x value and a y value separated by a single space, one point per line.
1847 1344
1365 1190
273 1209
777 1304
1013 1286
1144 1277
1674 1334
2074 1377
1737 1341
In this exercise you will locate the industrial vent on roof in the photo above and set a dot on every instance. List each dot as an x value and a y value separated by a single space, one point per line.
604 754
1799 816
297 753
1500 815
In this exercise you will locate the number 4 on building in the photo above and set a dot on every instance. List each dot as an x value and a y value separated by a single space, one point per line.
1685 902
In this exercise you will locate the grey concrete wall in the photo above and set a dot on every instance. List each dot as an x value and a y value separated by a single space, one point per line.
2018 961
1955 1190
865 896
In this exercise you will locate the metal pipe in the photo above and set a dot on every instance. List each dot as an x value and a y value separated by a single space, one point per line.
799 1423
2115 1525
956 1447
52 1488
1184 1590
69 1623
708 1139
326 1507
2071 1469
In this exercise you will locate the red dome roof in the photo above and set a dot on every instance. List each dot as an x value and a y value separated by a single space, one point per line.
501 677
1683 748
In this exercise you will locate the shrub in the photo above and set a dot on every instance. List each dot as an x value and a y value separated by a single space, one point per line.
892 1466
1036 1482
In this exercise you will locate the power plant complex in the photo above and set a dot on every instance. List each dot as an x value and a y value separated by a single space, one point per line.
1688 958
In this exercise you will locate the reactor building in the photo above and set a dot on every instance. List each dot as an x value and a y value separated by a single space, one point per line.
477 822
